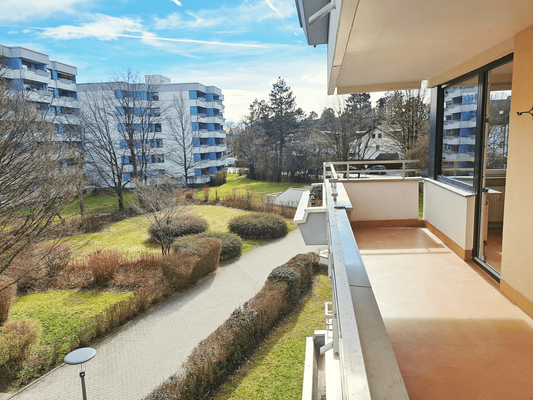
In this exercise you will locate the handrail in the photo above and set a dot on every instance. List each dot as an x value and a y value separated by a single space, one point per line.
330 170
367 365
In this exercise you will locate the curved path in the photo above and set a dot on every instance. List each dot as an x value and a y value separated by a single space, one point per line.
132 362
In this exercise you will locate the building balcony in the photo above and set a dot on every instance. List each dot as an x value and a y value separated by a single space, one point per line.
210 149
458 124
456 140
410 318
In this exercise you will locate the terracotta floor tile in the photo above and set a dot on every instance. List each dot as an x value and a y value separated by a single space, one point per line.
455 335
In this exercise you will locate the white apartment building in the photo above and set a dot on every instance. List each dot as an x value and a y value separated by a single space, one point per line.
198 118
51 85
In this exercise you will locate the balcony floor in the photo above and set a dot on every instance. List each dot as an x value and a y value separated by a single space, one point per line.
454 334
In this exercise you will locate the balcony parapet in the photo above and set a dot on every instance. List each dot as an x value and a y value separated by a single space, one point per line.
359 357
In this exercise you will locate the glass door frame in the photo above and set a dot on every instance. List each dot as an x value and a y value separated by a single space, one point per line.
436 144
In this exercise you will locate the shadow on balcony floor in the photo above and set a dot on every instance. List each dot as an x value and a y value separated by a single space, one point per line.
454 334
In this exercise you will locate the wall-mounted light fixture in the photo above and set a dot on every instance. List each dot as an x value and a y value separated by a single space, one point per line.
530 112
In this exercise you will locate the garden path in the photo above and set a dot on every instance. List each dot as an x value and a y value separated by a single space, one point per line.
132 362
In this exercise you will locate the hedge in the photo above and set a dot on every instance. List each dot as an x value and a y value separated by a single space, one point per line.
258 226
230 242
218 356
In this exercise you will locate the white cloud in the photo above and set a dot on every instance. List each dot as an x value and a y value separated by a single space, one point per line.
26 10
274 8
176 1
12 32
102 27
244 15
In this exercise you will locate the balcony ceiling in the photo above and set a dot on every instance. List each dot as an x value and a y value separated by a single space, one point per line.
387 45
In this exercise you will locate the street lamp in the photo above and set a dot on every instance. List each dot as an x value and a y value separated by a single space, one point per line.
81 356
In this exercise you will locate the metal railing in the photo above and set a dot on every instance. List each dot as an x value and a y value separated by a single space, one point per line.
361 169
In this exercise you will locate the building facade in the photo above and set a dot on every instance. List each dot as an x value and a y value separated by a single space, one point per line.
159 127
51 86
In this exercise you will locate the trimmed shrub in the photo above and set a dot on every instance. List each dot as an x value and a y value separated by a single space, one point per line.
188 224
207 251
258 226
16 340
7 296
218 356
220 178
104 264
231 244
177 268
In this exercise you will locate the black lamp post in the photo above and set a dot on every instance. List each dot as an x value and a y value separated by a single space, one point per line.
81 356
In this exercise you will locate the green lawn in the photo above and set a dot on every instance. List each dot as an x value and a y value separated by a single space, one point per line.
131 235
240 186
62 313
98 204
276 370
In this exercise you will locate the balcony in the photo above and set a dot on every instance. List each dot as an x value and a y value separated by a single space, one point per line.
409 318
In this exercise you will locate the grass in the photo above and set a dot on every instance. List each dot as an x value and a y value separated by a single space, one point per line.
131 235
240 186
98 204
420 205
62 313
276 370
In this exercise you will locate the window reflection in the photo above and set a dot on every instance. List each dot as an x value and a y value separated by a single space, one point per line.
459 129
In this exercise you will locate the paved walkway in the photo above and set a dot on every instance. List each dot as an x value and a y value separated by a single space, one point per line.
132 362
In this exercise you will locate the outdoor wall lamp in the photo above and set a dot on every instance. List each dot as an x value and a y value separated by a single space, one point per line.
530 112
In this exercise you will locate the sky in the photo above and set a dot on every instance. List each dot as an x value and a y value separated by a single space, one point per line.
239 46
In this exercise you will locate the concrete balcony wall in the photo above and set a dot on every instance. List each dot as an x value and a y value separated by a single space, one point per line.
449 213
389 200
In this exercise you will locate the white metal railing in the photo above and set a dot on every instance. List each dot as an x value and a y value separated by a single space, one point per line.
361 169
367 365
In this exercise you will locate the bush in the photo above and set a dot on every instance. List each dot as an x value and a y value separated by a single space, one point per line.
207 250
231 243
177 268
6 299
104 265
220 178
218 356
258 226
186 225
56 258
17 338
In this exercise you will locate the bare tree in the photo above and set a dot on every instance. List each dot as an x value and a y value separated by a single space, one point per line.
120 120
36 182
163 204
347 127
183 137
406 114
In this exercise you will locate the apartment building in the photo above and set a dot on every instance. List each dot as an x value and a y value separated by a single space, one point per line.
160 127
51 85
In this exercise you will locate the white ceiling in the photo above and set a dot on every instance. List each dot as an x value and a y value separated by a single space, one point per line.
392 44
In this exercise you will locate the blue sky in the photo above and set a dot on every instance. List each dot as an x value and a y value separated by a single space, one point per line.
240 46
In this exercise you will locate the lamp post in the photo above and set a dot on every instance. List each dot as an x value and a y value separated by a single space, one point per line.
81 356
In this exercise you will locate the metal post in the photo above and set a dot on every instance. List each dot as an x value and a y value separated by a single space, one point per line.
82 376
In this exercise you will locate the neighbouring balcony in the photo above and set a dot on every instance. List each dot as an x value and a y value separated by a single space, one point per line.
409 318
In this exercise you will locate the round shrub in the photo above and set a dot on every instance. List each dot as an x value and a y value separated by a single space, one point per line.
230 242
258 226
185 225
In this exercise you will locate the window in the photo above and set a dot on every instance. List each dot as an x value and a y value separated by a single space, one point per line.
373 136
377 147
154 96
158 158
380 135
125 159
459 129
